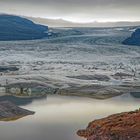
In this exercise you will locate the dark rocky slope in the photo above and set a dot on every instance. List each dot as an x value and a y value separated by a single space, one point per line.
9 111
134 39
123 126
18 28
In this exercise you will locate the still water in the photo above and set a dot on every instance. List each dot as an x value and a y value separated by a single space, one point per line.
59 117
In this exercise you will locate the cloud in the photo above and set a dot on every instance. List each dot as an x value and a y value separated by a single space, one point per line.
75 10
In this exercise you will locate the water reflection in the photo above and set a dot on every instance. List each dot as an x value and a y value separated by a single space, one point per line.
59 117
21 100
135 94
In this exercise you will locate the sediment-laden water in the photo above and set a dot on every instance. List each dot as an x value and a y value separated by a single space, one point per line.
59 117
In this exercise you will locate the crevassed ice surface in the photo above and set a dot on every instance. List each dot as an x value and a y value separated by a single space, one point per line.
71 52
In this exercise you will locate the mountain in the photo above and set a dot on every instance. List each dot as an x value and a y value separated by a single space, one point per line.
134 39
19 28
64 23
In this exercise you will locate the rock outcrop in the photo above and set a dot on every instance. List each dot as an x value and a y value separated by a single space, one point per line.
123 126
18 28
134 39
9 111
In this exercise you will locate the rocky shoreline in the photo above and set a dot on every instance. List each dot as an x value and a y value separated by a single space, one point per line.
10 111
36 90
123 126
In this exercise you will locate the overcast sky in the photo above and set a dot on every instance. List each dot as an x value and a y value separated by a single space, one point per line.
75 10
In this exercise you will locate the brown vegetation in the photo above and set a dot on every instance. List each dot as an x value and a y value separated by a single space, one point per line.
123 126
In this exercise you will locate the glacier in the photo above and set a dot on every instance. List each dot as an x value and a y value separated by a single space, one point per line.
70 57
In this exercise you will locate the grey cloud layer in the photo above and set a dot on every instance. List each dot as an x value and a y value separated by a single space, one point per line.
80 2
77 8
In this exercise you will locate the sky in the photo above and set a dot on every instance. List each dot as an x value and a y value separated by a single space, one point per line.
75 10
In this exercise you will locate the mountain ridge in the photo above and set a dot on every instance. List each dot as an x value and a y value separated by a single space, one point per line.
65 23
19 28
134 39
